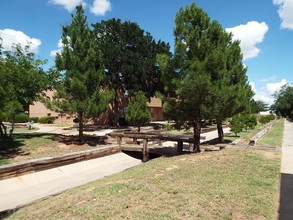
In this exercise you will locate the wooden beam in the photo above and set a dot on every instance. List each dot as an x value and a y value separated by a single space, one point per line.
180 146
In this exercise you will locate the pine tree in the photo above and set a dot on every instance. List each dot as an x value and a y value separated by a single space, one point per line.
81 89
192 85
137 112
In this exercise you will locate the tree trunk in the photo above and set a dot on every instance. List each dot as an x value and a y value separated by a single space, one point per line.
138 128
220 132
3 131
80 119
116 114
12 128
196 132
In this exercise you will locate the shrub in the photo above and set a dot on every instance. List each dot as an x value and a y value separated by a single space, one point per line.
264 120
267 118
47 120
236 124
35 119
21 118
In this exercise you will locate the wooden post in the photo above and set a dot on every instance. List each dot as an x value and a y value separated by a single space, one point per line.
180 146
191 145
160 143
119 141
145 150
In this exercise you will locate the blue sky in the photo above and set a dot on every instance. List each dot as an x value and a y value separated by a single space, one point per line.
265 28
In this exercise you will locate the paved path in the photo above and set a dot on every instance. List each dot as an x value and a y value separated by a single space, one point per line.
18 191
43 128
286 190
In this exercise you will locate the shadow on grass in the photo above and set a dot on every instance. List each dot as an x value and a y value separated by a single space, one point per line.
215 142
12 147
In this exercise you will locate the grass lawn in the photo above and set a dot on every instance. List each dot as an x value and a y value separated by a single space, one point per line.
274 137
27 145
4 161
229 184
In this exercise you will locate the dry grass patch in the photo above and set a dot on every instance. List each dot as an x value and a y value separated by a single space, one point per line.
219 185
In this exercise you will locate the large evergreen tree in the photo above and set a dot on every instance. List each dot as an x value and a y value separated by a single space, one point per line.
231 92
130 58
192 84
81 89
211 81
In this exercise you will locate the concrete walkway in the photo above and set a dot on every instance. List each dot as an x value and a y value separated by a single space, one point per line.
19 191
286 190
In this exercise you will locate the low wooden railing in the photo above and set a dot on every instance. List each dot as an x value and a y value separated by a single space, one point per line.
180 139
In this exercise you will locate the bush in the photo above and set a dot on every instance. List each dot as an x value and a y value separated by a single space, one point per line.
21 118
35 119
47 120
267 118
236 124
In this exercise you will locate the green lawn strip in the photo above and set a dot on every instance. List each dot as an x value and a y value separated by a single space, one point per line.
274 136
220 185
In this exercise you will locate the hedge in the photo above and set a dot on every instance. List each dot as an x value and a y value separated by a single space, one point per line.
47 120
21 118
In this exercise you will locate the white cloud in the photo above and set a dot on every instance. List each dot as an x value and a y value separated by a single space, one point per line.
250 35
69 5
272 78
273 87
12 37
100 7
60 46
285 12
265 93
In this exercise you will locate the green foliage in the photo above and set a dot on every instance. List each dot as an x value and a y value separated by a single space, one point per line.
258 106
210 80
22 82
137 112
236 124
35 119
47 120
81 88
283 104
267 118
130 56
248 120
21 118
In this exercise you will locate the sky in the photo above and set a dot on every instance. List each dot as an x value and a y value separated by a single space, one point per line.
265 28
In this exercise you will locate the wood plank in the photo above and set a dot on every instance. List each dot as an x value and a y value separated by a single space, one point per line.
145 151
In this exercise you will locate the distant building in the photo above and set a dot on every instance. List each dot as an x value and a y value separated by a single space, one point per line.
38 109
